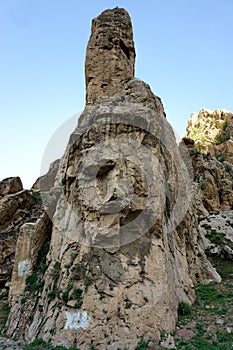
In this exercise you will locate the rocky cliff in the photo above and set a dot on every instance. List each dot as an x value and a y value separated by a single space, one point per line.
126 248
16 207
22 213
123 254
211 154
212 132
208 137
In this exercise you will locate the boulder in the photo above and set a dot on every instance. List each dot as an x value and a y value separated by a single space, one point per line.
10 185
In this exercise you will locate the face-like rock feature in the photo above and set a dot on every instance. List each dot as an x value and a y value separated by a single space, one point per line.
110 183
118 180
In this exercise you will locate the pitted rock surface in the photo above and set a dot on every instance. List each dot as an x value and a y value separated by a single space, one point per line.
10 185
110 55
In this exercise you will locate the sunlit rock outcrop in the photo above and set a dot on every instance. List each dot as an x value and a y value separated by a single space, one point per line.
125 246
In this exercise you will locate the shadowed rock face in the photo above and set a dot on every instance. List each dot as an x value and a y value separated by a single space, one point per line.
125 247
110 55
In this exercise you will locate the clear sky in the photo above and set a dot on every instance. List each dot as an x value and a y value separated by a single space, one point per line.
184 51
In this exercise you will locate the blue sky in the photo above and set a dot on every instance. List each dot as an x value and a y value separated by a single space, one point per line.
184 51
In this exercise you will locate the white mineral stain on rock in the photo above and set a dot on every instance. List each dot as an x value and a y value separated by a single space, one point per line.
76 320
24 268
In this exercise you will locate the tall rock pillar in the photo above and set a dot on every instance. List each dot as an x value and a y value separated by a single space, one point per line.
110 55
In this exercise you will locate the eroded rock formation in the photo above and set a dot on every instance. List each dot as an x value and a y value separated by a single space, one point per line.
22 214
209 138
10 185
110 55
126 247
15 204
46 182
212 132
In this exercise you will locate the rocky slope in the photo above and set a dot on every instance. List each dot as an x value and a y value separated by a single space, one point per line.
120 242
212 132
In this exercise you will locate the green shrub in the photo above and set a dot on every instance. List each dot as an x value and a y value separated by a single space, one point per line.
184 309
195 151
52 294
41 258
31 283
215 237
77 294
55 274
78 304
32 279
40 344
65 296
221 158
208 294
142 345
128 304
57 265
203 184
220 138
37 197
87 282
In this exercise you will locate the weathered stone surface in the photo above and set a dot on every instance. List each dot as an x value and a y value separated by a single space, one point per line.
133 274
214 180
9 344
18 207
7 252
168 343
46 182
13 207
126 247
32 236
229 168
212 132
14 211
110 55
10 185
217 228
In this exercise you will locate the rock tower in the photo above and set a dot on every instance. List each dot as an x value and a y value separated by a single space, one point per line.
125 246
110 55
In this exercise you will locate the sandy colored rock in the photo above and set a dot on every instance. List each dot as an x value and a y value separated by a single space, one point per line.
46 182
10 185
214 180
126 247
110 55
31 238
212 132
14 211
13 207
